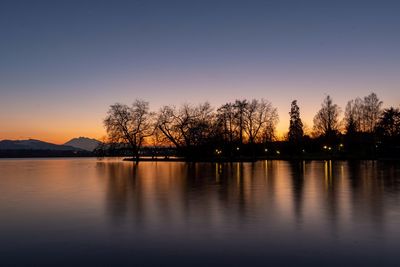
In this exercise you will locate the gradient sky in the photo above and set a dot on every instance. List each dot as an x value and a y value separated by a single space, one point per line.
62 63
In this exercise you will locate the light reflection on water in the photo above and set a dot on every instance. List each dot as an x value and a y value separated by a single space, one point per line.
85 211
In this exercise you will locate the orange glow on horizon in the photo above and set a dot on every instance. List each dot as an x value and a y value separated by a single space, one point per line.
59 124
55 135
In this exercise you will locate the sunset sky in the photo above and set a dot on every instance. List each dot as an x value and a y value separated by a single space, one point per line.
62 63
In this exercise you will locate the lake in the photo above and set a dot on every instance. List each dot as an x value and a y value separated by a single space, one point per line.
71 211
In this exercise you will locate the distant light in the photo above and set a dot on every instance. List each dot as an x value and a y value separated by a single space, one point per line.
329 148
266 150
278 152
341 145
325 147
303 150
237 148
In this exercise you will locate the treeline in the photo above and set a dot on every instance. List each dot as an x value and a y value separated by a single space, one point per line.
245 129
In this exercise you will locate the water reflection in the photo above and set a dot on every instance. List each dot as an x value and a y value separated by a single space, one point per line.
297 169
336 197
89 212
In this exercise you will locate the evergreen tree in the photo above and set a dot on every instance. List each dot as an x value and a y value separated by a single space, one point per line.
296 125
388 125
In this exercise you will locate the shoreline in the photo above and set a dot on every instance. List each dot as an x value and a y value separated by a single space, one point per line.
212 160
226 160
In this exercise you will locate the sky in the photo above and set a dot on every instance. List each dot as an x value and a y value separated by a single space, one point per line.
63 63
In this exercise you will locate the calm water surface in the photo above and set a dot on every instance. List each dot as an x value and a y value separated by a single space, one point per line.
90 212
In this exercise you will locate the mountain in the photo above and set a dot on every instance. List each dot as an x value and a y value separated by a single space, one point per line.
84 143
32 144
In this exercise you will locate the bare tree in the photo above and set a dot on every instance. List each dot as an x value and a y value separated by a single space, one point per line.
353 116
129 125
240 110
326 121
371 112
201 125
268 131
260 117
362 115
187 127
168 124
226 120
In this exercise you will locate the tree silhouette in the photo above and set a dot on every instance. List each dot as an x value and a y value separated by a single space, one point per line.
129 125
245 129
389 123
371 112
240 110
353 116
362 115
326 121
187 127
226 120
296 133
258 116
